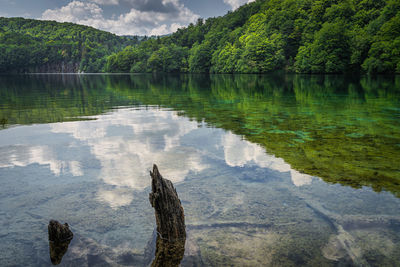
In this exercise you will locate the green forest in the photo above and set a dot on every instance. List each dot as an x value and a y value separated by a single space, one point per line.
28 45
303 36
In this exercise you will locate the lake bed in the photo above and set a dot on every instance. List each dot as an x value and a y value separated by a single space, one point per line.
277 170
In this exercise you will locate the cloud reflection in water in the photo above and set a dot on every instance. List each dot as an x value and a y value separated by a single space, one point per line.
24 155
126 143
239 152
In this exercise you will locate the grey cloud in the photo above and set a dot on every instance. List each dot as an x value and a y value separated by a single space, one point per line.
106 2
133 22
160 6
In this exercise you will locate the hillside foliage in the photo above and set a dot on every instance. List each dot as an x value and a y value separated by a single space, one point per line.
306 36
27 44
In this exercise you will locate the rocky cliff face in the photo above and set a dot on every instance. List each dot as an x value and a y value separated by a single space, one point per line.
57 67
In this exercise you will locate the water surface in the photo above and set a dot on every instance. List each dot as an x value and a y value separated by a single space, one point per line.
273 170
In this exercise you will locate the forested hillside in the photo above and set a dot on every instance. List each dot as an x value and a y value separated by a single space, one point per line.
28 45
306 36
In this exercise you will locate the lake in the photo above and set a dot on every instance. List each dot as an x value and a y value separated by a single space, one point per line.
271 170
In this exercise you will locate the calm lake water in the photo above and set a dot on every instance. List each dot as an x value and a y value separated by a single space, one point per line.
272 170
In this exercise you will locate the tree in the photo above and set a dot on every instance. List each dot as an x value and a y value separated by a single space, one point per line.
200 57
329 53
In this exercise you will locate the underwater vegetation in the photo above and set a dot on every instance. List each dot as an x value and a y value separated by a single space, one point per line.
342 129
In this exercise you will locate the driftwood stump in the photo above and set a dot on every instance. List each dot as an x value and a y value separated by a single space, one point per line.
170 219
59 238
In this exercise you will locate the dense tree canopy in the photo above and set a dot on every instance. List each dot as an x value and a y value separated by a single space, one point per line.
306 36
28 45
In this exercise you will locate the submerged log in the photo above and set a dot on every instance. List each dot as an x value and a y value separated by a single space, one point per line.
170 219
59 238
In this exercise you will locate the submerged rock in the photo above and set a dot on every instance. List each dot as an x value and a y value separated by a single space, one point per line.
170 219
59 238
57 251
59 232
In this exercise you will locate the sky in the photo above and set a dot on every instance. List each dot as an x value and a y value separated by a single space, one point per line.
122 17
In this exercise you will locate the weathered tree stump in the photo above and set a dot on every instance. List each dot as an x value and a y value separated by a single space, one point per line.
59 238
170 219
168 253
168 209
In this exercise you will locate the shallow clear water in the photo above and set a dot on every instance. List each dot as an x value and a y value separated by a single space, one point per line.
271 170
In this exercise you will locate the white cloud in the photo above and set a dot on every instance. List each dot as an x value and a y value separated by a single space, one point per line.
126 161
22 156
137 21
237 3
74 12
106 2
239 153
116 198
